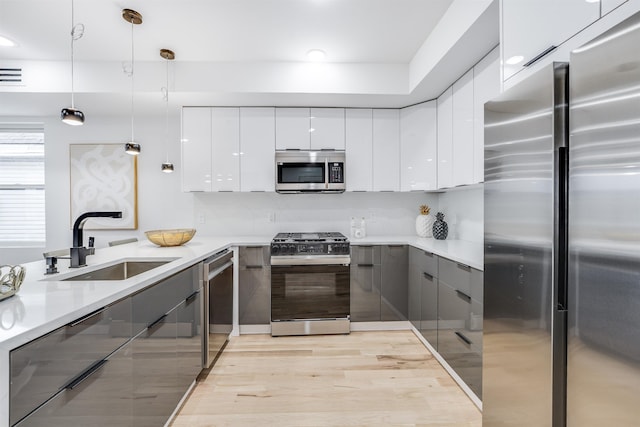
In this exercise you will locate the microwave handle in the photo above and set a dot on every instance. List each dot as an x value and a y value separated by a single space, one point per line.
327 172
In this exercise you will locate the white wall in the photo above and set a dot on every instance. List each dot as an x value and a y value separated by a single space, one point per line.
251 213
161 204
464 213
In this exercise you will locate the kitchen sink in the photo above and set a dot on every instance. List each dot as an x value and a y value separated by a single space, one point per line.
122 270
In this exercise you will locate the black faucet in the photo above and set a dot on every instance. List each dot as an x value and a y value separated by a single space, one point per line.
78 253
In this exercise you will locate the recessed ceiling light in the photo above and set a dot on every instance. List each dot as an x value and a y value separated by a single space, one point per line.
6 42
514 60
316 55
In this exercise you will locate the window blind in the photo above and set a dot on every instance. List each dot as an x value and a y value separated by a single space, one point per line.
22 186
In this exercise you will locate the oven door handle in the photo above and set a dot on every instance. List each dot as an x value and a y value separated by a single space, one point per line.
311 260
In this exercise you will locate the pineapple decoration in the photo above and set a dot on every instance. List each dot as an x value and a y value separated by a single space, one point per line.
424 222
440 227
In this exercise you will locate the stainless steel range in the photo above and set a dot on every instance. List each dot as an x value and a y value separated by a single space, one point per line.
310 284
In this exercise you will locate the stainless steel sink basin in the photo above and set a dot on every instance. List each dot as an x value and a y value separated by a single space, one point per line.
121 271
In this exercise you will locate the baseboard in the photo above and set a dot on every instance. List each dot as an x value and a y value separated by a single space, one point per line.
401 325
476 401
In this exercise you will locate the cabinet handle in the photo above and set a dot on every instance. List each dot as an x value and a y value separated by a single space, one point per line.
395 246
88 316
153 324
427 276
365 265
540 55
191 297
252 267
84 375
463 338
256 247
429 254
464 267
463 295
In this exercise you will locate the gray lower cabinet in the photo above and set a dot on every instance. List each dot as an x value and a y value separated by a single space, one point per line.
254 294
42 367
394 283
156 388
429 308
93 399
366 279
127 364
459 336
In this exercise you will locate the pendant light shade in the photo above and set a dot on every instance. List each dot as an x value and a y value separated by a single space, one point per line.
168 55
132 148
71 115
134 18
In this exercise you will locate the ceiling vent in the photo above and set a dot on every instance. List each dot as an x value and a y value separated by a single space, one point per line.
10 76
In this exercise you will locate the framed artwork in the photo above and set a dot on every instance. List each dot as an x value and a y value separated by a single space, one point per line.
103 178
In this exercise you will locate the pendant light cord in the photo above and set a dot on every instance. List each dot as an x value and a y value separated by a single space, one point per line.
166 113
132 87
73 29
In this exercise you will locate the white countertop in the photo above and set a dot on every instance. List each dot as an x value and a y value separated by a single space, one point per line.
45 303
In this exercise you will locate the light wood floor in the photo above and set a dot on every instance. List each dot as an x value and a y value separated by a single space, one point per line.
361 379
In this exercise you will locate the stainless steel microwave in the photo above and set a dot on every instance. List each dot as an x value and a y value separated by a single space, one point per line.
303 171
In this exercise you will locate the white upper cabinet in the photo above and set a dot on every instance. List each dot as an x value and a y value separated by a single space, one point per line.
486 86
386 150
418 147
463 130
607 6
327 128
257 146
445 139
292 128
359 149
196 149
225 149
530 27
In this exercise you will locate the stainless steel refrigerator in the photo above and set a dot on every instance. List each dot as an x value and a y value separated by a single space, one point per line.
562 242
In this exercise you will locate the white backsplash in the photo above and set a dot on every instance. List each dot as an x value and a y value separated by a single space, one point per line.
464 213
270 213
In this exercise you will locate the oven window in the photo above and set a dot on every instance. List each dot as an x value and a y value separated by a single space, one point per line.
295 173
309 292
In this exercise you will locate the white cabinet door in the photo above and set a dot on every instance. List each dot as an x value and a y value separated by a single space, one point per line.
486 86
359 149
445 139
292 128
257 149
529 27
196 149
326 128
386 150
463 130
225 148
607 6
418 147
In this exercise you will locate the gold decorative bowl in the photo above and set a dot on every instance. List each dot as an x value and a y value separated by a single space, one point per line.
175 237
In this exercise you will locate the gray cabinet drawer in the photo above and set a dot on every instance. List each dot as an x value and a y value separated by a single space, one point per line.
158 299
41 367
365 254
100 399
428 262
454 274
429 309
394 286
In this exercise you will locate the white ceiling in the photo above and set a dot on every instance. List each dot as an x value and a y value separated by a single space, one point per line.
245 39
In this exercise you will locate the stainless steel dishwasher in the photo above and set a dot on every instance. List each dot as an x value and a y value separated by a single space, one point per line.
218 308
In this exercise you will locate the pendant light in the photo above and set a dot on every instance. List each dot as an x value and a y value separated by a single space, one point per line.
71 115
168 55
134 18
